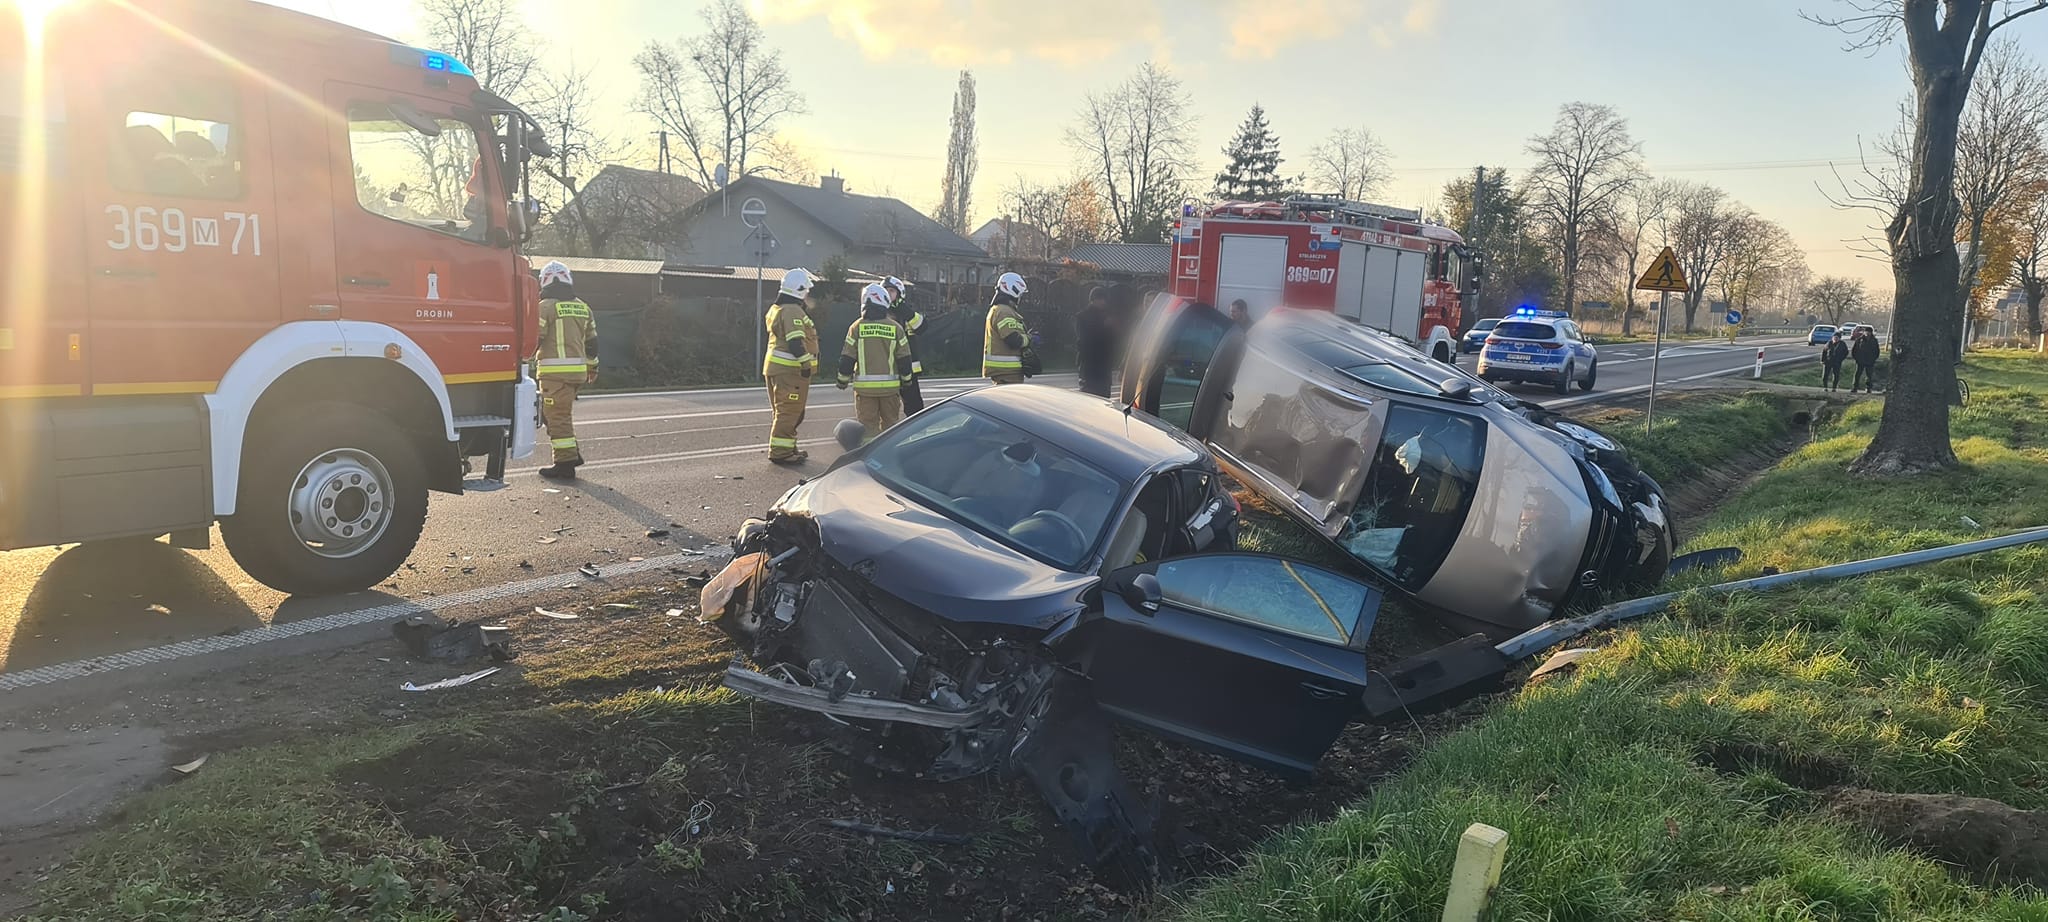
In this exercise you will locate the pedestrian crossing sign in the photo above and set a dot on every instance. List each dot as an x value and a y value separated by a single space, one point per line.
1664 274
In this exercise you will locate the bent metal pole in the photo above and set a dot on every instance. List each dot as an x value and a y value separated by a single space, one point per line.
1545 636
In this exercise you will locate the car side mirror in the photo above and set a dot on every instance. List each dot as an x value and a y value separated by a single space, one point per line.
1142 593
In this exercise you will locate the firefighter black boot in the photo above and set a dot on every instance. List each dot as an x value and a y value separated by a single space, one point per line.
560 470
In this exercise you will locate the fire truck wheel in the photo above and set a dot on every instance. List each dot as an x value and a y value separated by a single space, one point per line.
332 500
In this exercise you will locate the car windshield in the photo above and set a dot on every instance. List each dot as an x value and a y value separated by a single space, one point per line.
1020 489
1525 330
1416 495
1485 325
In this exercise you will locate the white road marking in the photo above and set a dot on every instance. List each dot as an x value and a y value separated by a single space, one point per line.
699 454
1640 388
77 669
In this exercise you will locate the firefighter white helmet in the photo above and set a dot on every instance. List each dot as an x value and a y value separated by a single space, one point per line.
1010 283
896 283
875 296
798 282
554 272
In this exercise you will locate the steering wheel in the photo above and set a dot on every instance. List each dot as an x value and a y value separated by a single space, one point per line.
1078 540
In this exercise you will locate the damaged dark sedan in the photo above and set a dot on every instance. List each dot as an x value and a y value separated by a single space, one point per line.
977 588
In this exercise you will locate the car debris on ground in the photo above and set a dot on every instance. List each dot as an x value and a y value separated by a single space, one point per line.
452 682
431 639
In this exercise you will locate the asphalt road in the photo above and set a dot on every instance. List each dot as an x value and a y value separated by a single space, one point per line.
691 464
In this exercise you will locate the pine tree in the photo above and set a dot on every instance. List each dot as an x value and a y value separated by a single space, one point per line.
1253 171
956 194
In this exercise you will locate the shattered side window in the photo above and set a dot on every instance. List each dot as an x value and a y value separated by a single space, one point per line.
1267 591
1424 473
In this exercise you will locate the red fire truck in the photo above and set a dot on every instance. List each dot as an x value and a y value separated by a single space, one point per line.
1382 267
260 269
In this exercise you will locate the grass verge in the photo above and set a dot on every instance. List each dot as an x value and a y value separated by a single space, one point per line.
1684 772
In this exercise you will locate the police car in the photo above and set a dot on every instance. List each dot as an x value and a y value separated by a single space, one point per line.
1540 346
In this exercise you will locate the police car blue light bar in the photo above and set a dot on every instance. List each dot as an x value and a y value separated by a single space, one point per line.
1528 311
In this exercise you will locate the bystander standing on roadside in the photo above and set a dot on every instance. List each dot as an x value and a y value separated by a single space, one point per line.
1095 339
1864 352
1832 356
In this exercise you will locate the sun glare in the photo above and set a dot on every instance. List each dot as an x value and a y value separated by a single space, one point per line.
34 13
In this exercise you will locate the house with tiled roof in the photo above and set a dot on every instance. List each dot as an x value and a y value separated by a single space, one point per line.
810 225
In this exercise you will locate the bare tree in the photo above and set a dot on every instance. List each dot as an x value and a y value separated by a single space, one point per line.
1582 167
957 191
1758 249
1701 227
1352 163
1945 42
1137 140
585 225
1999 153
1836 297
1051 218
490 37
1646 205
720 93
2030 258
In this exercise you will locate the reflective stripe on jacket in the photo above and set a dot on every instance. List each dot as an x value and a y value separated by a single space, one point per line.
568 335
997 355
789 323
877 347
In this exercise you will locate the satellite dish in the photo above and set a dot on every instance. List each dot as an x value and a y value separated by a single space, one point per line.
718 176
753 211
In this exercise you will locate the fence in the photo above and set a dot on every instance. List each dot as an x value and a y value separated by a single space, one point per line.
686 342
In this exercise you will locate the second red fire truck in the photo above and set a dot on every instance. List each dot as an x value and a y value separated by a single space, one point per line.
1382 267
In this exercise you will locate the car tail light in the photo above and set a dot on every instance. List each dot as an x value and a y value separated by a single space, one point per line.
1551 345
1493 340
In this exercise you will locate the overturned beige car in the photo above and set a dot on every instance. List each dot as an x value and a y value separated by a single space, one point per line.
1495 512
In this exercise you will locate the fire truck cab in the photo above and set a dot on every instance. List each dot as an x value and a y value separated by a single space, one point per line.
261 269
1379 266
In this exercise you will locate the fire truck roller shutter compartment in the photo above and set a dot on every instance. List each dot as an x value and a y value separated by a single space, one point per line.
1376 294
1350 303
1252 268
1409 268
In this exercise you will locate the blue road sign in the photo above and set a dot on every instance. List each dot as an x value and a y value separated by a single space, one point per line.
1734 317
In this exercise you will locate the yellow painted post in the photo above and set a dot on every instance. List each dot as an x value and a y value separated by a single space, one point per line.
1481 851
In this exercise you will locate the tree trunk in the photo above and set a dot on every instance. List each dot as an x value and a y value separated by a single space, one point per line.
1628 313
2035 292
1913 436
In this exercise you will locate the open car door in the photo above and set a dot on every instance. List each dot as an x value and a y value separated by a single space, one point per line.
1181 363
1256 657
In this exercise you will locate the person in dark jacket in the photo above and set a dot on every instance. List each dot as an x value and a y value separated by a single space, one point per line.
1240 313
1095 342
1864 351
1832 356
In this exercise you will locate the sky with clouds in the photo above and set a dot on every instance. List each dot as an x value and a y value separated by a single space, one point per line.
1741 93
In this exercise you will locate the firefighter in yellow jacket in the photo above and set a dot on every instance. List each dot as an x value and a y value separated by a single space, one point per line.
1005 343
567 360
876 362
792 359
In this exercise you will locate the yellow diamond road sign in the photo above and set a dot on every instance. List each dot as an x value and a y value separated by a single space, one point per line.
1664 274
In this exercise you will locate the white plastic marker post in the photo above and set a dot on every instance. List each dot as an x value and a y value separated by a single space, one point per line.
1481 852
1759 364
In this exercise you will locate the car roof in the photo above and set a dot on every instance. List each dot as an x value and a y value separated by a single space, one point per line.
1122 445
1550 322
